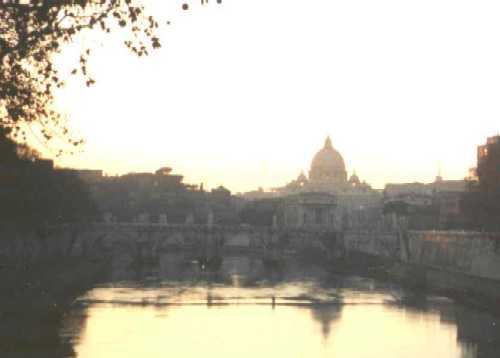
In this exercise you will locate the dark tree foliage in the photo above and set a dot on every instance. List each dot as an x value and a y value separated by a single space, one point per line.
419 217
32 31
260 212
127 202
33 194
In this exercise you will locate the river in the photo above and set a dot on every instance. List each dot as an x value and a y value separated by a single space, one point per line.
170 309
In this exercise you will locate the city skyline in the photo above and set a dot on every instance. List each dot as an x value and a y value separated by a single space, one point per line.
245 103
277 188
178 175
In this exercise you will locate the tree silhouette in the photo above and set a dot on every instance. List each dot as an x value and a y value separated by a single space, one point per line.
33 194
32 31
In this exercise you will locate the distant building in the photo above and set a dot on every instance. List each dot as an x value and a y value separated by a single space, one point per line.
488 165
356 201
135 196
258 194
327 173
86 175
482 202
435 205
158 197
223 207
311 210
407 191
221 193
156 183
422 190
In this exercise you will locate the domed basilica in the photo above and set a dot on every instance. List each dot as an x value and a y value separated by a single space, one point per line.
326 198
328 166
327 174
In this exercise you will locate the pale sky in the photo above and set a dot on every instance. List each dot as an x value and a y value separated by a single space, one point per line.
244 93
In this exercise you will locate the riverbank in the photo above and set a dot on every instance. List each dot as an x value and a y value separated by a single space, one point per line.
35 297
480 293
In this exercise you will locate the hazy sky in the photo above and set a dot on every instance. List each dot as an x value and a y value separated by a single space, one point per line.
244 93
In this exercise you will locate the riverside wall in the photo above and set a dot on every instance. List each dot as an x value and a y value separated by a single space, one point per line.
467 263
472 253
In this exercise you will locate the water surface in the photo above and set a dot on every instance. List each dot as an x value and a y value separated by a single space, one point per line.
171 310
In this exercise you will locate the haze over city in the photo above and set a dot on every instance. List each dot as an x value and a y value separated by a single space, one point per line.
229 178
244 94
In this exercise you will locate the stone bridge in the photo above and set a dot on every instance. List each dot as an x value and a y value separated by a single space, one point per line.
147 240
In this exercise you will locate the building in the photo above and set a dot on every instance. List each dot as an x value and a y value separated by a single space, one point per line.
145 196
158 183
488 165
481 203
311 210
258 194
86 175
327 173
157 197
357 202
435 205
224 206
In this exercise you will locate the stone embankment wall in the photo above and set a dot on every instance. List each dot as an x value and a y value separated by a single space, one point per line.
41 275
381 244
59 242
472 253
465 264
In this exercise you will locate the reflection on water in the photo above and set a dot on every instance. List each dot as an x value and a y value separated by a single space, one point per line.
170 309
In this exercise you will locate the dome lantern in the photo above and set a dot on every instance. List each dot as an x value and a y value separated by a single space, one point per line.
328 143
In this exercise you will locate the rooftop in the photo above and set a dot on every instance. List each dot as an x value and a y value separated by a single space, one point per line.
493 140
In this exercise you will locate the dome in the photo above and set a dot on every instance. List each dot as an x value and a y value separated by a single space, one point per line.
328 165
302 178
354 179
